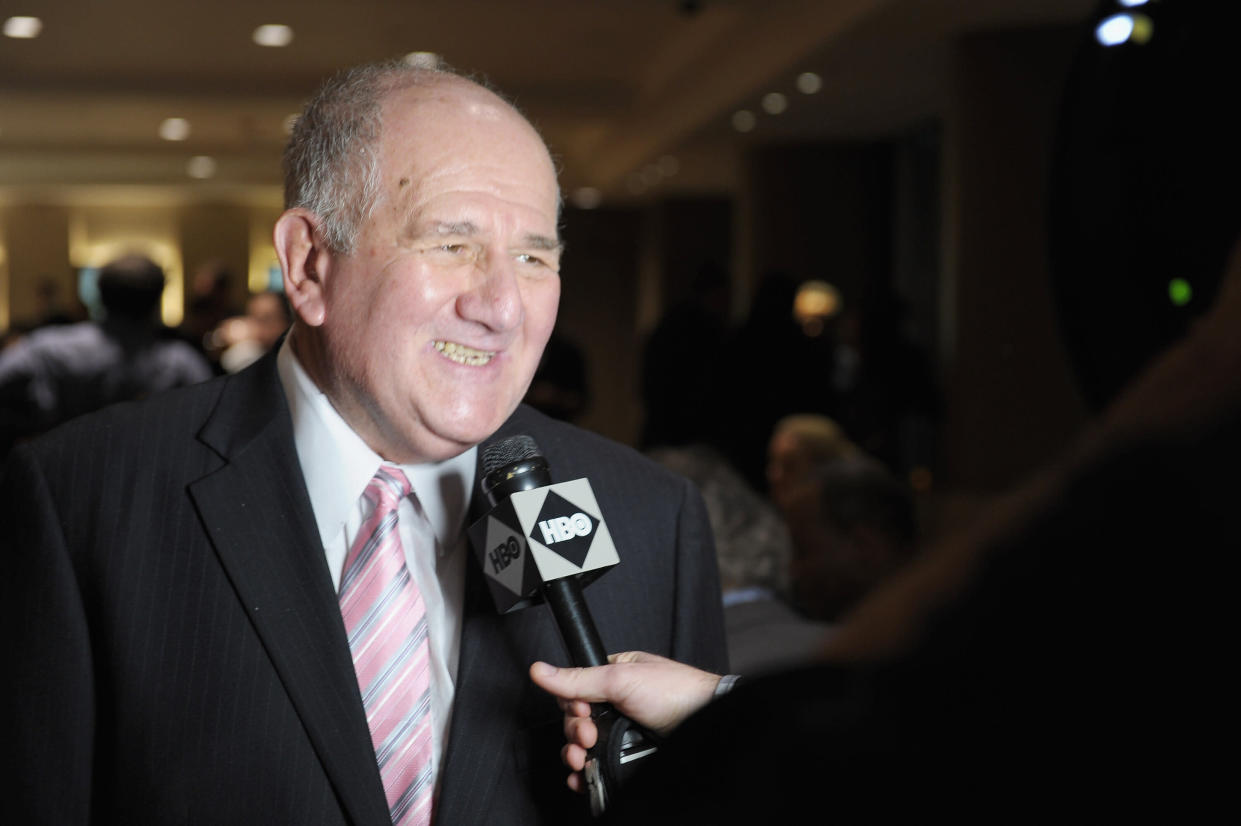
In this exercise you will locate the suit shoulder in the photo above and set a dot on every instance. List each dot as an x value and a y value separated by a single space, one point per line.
573 452
177 413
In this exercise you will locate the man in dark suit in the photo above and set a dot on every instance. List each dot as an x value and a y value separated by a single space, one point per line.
175 646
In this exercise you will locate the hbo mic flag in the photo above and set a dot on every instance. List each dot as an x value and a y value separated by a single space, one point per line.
538 535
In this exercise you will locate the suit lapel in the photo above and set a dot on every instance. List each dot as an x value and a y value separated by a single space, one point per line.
259 518
481 736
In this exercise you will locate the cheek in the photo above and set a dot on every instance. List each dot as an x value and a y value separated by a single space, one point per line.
541 303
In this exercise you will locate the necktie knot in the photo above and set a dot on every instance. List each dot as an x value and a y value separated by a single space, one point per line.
387 487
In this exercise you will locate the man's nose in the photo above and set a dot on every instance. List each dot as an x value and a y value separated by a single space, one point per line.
493 298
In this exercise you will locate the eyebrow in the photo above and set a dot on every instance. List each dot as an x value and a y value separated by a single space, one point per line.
466 228
469 229
542 242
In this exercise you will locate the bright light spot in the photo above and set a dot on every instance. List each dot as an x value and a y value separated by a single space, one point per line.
201 166
290 122
23 27
1114 30
774 103
273 34
587 197
744 120
808 83
1180 292
815 301
174 129
1121 28
668 166
425 60
1132 3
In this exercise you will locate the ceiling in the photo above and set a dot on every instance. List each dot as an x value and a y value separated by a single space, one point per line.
615 85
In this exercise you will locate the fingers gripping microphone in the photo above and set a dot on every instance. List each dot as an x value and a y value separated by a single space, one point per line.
544 541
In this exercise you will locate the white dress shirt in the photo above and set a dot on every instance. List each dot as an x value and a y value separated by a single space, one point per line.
337 466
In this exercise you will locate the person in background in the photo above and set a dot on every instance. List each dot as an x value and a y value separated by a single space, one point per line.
798 446
561 385
241 340
209 303
676 383
61 371
853 525
755 551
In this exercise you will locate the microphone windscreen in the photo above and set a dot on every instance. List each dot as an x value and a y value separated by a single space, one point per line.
506 451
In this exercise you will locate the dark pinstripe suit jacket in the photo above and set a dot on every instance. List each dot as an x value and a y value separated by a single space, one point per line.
175 653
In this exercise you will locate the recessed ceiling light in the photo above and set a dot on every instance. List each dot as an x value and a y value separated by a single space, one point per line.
23 27
1123 28
744 120
174 129
273 34
201 166
774 103
808 83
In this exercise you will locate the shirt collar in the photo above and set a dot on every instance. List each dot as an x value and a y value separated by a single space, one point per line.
337 464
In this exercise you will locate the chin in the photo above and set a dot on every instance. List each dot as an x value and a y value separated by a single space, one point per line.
459 436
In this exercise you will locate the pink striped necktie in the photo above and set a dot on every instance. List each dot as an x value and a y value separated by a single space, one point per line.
387 627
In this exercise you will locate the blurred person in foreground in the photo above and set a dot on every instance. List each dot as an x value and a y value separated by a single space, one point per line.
61 371
1066 656
201 589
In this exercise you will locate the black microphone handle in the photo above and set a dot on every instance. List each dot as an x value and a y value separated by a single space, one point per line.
577 628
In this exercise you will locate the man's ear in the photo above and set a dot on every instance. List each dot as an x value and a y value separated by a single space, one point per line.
304 259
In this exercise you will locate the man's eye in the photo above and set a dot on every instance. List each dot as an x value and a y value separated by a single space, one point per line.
455 249
527 258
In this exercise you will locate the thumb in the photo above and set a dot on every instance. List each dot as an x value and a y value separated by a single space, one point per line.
586 684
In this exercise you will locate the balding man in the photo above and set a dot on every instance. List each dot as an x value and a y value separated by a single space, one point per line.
250 602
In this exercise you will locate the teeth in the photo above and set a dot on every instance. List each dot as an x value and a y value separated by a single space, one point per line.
464 355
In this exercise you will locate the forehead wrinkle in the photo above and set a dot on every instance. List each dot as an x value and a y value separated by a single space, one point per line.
415 170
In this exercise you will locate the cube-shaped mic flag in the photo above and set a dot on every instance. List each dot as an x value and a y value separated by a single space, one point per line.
538 535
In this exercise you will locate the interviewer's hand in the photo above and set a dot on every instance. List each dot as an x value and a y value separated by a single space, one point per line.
653 691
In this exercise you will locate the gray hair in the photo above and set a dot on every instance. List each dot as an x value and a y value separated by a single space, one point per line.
752 543
331 163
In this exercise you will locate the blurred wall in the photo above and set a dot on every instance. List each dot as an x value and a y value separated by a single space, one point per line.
36 243
1010 397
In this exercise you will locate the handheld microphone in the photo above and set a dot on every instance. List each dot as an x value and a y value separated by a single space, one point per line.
544 541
